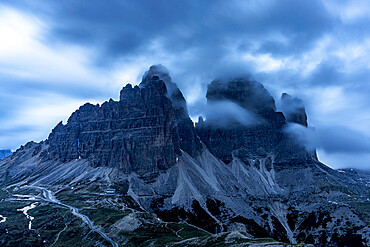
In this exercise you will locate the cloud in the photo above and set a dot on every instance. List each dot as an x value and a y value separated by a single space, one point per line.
41 84
115 28
349 11
224 113
345 160
331 139
316 50
33 118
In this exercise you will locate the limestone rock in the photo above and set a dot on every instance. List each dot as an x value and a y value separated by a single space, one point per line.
137 134
243 141
189 142
250 95
293 109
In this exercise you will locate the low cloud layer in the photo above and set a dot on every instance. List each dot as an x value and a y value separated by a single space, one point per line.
334 141
70 51
224 113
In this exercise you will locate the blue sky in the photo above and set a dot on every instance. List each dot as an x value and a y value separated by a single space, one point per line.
57 55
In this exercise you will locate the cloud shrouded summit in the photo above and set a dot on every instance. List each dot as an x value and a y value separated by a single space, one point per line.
56 55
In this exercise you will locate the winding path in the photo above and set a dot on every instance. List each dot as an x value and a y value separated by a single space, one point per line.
51 198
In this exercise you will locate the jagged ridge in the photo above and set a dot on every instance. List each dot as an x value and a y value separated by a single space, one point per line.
252 177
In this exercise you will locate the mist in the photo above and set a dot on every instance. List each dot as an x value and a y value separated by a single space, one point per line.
333 142
225 113
319 51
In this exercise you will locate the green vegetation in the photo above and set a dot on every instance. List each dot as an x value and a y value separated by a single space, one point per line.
187 231
15 228
161 234
225 240
3 194
76 235
56 225
77 200
363 210
104 216
50 220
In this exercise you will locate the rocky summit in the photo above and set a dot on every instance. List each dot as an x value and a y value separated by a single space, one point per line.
139 172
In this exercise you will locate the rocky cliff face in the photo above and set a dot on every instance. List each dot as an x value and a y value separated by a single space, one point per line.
143 132
250 95
293 109
236 170
137 134
189 142
262 136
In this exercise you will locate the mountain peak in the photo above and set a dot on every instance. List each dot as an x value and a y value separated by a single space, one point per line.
250 95
158 74
157 70
220 177
293 109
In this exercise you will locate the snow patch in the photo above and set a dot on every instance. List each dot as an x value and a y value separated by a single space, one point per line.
2 219
25 212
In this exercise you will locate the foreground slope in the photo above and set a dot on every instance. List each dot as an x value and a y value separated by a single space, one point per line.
231 172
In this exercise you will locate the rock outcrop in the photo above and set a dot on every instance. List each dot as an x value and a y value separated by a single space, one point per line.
250 95
237 169
143 132
138 134
293 109
256 139
189 142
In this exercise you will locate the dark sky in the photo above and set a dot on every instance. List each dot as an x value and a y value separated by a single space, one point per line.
56 55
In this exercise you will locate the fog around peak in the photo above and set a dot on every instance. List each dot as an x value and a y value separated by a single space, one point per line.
334 140
226 113
73 52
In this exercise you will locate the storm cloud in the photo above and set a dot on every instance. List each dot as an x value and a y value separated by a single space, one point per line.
56 55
